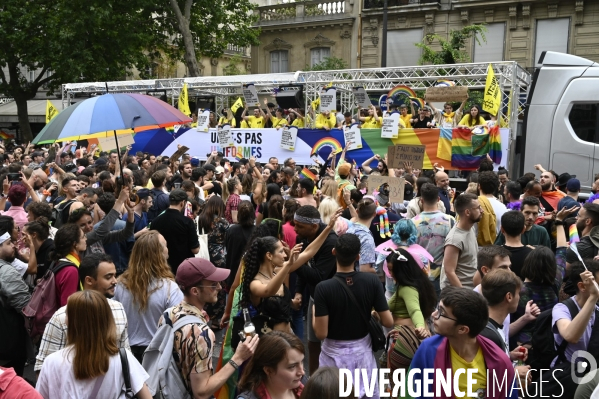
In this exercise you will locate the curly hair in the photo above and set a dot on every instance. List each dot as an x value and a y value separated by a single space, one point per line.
146 266
252 260
404 231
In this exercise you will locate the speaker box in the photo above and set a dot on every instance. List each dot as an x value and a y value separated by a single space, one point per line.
290 99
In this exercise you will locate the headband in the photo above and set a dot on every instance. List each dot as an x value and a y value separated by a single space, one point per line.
307 220
4 237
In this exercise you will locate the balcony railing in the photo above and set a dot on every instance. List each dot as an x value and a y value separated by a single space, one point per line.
241 50
395 3
302 11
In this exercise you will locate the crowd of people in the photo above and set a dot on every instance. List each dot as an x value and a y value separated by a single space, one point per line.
105 257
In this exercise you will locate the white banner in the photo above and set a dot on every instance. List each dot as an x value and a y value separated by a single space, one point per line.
390 126
203 122
352 135
250 95
259 143
289 138
361 97
328 99
225 139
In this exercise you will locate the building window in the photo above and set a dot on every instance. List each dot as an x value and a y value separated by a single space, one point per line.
492 50
401 50
318 55
552 35
278 61
584 120
31 76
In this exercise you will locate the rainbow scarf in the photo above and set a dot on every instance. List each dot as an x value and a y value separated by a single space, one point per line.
384 229
434 353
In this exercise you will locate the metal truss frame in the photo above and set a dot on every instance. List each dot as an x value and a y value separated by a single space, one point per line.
514 82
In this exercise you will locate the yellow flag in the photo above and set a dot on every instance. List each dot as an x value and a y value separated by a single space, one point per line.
236 105
184 101
316 104
51 111
492 98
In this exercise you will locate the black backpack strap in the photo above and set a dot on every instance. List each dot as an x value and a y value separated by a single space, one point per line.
561 349
126 373
492 328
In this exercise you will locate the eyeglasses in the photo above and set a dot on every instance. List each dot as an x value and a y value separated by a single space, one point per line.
440 314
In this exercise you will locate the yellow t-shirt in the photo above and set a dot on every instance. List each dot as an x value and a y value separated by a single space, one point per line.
244 124
255 123
480 376
371 123
299 123
322 121
278 123
223 120
406 120
464 121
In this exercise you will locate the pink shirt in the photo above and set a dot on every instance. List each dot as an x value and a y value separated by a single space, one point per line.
289 234
18 214
14 387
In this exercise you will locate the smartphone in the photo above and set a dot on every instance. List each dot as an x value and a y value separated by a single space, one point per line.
14 176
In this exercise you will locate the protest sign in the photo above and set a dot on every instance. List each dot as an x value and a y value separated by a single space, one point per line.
203 122
361 97
225 139
328 99
398 154
250 95
288 138
446 93
352 135
375 181
390 126
109 143
396 189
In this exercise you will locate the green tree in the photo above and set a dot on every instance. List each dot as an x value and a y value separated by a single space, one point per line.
200 27
452 51
234 67
328 64
69 41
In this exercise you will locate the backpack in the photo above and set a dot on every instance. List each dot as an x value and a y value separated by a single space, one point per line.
340 199
165 380
60 213
543 349
44 300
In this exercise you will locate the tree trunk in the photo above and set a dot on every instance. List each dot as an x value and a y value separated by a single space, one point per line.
23 115
183 24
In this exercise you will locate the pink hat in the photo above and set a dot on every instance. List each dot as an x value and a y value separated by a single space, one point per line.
193 270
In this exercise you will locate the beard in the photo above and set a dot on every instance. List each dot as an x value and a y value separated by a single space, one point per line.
580 225
546 186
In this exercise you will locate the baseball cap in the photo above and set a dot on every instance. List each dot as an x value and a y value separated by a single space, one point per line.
177 195
194 161
573 185
219 170
100 161
209 166
143 193
193 270
70 168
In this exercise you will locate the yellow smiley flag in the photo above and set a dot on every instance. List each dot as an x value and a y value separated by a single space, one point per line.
492 98
236 105
51 111
184 101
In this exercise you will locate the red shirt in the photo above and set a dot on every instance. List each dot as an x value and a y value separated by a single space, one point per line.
289 235
67 283
232 205
14 387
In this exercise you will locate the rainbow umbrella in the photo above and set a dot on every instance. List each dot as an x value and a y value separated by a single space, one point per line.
110 114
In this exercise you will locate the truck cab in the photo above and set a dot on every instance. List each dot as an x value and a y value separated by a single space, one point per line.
561 122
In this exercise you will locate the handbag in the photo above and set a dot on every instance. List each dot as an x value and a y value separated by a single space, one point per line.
377 336
203 238
129 394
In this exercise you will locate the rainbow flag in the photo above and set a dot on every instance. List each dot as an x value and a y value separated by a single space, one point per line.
445 83
495 144
5 136
444 144
461 150
574 234
307 174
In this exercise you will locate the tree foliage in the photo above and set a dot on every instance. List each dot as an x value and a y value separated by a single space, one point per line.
235 66
204 28
452 51
329 63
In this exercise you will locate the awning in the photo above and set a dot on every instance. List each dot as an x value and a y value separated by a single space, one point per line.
36 108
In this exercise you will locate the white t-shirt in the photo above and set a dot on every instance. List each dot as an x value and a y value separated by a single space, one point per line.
57 379
143 326
499 210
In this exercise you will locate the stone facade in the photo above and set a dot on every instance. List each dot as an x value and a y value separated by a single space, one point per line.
353 31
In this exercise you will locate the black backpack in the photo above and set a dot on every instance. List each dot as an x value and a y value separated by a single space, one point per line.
60 213
544 349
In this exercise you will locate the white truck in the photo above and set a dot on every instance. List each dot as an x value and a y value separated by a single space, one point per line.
561 121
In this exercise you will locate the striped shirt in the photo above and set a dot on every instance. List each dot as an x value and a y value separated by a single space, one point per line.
55 334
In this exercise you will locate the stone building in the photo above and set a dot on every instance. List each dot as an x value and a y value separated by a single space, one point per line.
298 34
